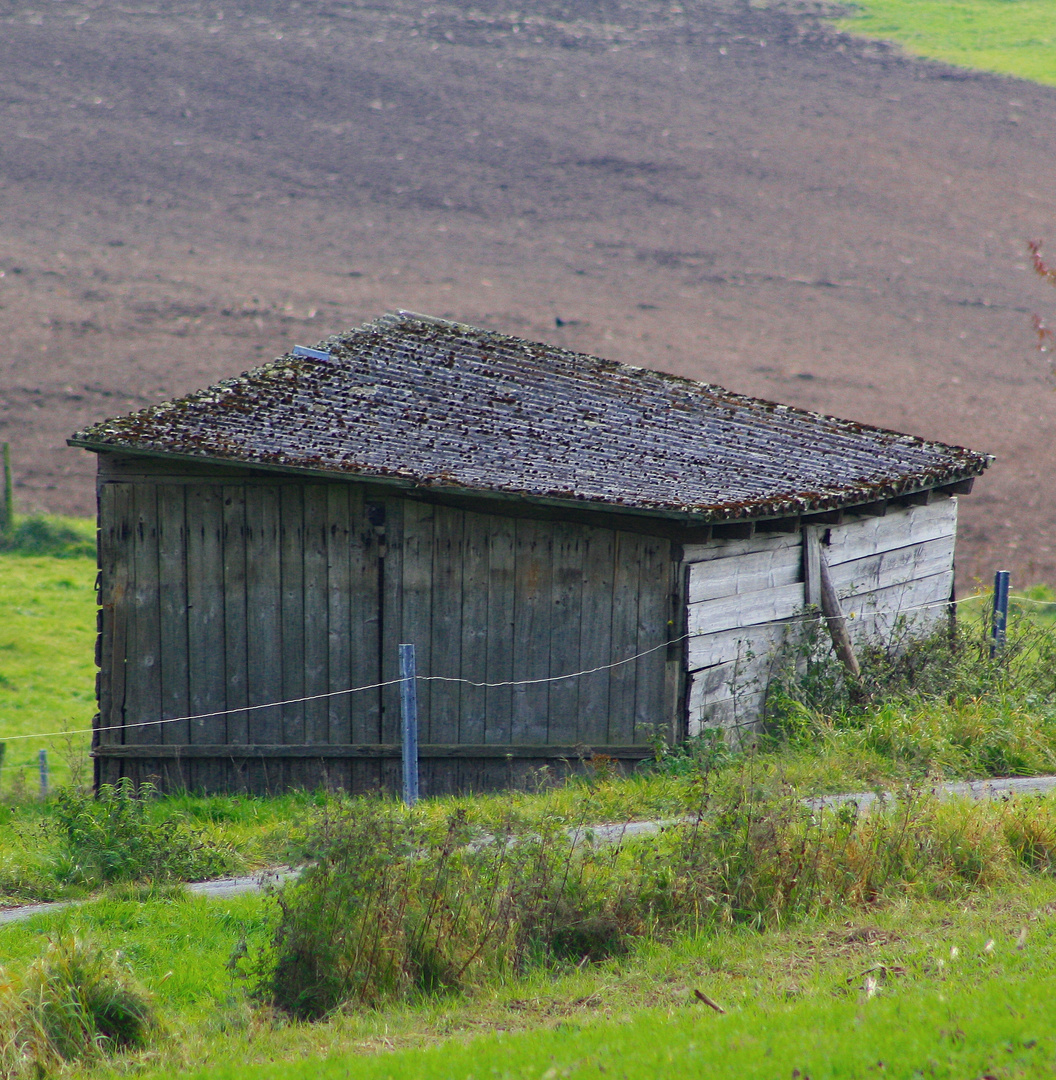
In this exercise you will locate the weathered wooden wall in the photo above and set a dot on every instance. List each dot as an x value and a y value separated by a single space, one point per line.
744 597
220 591
894 574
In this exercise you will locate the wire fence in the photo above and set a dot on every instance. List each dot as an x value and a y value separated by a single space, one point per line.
70 733
803 620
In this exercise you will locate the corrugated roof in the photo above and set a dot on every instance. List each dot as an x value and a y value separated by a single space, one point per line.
442 405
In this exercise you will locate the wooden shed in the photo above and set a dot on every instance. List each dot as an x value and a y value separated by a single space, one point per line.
586 556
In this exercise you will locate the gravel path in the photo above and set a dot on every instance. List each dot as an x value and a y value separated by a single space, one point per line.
217 889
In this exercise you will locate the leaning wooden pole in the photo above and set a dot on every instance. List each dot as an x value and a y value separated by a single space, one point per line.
833 612
820 591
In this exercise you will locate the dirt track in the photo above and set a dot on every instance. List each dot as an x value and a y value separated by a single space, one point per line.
734 194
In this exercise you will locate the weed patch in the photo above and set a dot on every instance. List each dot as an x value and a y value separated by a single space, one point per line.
114 837
939 707
397 906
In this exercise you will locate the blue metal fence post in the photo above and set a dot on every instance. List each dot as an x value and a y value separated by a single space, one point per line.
42 762
1000 611
409 716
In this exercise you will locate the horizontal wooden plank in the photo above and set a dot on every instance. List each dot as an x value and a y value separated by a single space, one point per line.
732 679
741 713
725 549
745 609
897 529
712 682
744 573
873 616
741 643
373 750
894 567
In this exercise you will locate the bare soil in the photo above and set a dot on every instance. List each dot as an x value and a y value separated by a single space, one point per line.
736 194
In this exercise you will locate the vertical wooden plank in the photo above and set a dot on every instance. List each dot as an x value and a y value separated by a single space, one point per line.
339 665
474 647
391 634
264 628
626 558
675 683
365 631
446 648
470 775
566 623
115 509
500 640
811 565
172 571
654 603
106 558
205 614
316 623
532 609
143 669
235 613
291 544
417 599
595 634
366 774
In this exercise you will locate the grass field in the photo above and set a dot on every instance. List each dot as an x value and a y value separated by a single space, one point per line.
1013 37
942 999
993 1015
47 649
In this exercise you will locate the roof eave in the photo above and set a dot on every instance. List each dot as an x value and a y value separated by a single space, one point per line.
789 506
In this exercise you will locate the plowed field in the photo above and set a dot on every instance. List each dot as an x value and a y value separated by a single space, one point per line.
737 194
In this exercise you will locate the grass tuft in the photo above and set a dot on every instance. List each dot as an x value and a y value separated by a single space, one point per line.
75 1003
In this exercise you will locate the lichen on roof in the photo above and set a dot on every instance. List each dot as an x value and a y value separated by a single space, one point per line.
443 405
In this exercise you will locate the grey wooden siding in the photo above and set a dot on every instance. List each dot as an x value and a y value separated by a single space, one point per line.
894 573
745 595
222 592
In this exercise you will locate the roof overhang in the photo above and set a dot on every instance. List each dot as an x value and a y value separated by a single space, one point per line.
872 500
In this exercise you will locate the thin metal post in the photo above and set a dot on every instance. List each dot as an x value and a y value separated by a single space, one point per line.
409 717
1000 612
42 760
7 504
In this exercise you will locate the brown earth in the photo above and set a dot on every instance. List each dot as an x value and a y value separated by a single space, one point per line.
731 193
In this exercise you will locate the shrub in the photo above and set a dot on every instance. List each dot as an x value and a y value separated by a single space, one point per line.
395 908
114 837
392 907
936 706
42 535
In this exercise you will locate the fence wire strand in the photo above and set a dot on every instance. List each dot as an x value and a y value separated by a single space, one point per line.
801 620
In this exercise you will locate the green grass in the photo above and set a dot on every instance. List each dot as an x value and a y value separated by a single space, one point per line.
253 833
1004 1028
795 997
47 650
178 945
1013 37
